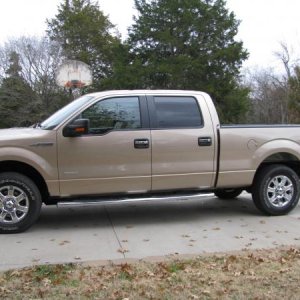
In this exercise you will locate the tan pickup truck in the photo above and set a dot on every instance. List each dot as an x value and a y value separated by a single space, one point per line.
143 145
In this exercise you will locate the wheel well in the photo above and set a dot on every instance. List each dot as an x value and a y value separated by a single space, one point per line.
282 158
27 170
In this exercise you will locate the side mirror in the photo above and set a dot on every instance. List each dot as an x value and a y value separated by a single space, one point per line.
76 128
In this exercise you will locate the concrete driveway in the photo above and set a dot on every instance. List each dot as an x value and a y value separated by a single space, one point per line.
143 230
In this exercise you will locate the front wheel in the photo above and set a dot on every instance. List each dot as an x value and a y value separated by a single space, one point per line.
276 190
20 202
228 193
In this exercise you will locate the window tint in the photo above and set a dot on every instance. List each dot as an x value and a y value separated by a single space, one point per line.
177 112
113 114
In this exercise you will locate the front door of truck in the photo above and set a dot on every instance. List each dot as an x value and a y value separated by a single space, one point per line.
114 156
183 143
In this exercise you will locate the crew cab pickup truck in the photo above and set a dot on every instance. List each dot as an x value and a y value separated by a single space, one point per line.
143 145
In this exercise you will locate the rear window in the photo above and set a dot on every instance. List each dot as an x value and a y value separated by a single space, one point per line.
177 112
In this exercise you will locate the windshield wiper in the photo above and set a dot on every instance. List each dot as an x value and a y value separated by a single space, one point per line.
36 125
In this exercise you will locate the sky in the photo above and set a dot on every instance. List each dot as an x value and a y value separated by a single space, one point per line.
264 23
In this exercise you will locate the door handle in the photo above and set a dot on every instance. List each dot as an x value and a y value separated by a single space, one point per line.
204 141
141 143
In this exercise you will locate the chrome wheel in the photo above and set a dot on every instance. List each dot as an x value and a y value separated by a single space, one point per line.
14 204
280 191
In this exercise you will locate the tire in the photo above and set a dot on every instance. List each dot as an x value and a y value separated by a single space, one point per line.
20 202
276 190
228 193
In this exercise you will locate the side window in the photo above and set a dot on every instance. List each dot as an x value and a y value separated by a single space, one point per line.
177 112
113 114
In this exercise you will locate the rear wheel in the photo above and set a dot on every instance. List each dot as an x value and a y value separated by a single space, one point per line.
20 202
276 190
228 193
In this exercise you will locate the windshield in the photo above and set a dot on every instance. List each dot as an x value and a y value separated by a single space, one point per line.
63 113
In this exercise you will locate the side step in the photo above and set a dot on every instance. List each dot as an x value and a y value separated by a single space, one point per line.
119 200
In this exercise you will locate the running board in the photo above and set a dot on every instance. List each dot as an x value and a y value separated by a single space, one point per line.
119 200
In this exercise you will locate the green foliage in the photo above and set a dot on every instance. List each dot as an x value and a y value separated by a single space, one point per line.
234 107
55 274
185 45
18 102
173 44
84 33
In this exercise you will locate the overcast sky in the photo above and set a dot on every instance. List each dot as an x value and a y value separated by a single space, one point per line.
264 22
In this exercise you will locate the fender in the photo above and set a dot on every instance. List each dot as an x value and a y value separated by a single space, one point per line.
44 167
47 168
275 147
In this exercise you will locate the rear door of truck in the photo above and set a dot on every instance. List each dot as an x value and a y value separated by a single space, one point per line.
183 142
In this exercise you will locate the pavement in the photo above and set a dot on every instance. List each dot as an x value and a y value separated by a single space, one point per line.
121 232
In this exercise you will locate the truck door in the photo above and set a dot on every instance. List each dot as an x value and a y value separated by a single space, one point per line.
182 143
114 156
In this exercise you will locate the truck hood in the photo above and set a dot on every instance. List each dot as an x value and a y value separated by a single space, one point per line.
13 136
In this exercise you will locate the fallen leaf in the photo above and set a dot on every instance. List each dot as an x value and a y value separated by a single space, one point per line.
123 250
15 273
5 290
46 282
284 270
150 274
282 260
185 236
63 243
216 228
206 292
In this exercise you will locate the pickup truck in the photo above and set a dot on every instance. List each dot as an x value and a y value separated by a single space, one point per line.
143 145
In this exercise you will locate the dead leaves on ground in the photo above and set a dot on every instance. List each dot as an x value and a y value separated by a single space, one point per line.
216 276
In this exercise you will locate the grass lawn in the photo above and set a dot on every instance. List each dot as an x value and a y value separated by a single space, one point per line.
261 274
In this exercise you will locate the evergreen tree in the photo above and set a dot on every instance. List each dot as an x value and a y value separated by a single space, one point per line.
84 33
18 102
187 44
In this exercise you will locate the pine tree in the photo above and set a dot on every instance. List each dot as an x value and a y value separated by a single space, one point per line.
84 33
187 44
18 102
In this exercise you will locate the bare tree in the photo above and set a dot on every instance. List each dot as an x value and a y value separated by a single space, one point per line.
267 94
271 91
284 55
39 58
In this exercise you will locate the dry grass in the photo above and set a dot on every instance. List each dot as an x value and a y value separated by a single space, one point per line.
264 274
